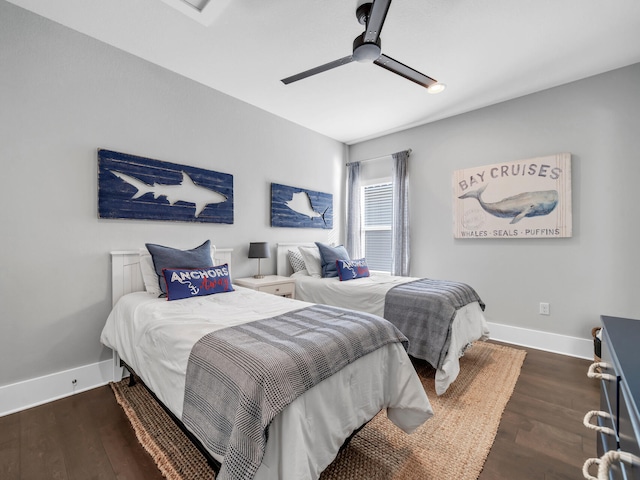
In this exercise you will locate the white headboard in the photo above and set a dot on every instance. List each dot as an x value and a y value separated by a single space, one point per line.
126 276
283 267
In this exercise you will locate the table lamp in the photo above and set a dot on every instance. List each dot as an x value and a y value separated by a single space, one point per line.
259 250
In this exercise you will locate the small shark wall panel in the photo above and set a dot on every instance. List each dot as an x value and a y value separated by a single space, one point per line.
146 189
300 208
520 199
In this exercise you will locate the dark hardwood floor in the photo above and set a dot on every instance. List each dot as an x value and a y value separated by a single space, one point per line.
87 436
541 435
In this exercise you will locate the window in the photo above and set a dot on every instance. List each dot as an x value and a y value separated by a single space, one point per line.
377 208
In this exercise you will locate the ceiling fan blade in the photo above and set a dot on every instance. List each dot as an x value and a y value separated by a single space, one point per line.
404 71
376 18
316 70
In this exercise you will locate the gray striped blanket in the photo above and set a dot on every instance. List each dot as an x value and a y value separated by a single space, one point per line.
241 377
424 310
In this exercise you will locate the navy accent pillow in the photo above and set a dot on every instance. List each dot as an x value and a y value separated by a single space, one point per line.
350 269
167 257
328 256
197 282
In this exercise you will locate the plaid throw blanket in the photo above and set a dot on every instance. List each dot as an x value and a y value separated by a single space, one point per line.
423 310
241 377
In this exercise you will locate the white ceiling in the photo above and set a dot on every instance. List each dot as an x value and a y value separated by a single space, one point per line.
485 51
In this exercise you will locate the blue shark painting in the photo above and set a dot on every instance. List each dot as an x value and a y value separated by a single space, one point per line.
300 208
142 188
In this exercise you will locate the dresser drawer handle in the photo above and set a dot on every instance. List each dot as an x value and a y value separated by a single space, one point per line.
585 468
600 376
604 463
595 413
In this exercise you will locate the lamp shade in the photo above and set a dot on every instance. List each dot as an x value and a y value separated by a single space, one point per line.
259 250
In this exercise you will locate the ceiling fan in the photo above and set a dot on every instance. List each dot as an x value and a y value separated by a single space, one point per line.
367 48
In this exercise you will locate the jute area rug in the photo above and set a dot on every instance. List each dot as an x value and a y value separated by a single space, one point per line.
453 445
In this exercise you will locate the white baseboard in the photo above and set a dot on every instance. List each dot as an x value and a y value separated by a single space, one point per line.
550 342
30 393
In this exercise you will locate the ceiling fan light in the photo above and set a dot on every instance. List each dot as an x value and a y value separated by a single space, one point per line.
436 88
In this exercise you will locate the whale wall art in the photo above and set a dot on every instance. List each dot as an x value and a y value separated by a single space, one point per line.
300 208
520 199
142 188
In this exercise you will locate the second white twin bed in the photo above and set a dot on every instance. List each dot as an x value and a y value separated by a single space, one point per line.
368 294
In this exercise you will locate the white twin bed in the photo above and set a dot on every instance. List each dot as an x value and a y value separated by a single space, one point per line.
368 295
155 337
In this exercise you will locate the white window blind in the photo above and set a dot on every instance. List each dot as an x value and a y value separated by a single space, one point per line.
376 225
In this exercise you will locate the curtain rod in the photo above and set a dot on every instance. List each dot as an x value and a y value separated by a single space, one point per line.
381 156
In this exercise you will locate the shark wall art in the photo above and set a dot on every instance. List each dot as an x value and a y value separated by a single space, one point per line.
300 208
520 199
142 188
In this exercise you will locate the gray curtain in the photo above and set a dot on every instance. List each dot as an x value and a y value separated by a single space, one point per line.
400 225
353 210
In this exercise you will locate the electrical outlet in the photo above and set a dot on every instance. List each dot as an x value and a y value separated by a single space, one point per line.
544 309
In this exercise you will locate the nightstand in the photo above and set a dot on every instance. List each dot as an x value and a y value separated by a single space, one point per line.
274 284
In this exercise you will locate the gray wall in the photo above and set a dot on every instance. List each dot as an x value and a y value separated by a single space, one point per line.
62 96
595 272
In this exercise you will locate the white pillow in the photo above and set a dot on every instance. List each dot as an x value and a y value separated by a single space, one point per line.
312 260
149 275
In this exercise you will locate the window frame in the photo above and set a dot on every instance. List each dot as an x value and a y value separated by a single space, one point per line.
373 228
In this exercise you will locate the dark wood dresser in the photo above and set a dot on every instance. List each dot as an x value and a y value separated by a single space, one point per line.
618 421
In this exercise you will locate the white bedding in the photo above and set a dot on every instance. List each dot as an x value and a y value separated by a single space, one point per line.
155 338
368 294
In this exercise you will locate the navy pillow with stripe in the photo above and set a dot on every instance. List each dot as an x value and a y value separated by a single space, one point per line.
167 257
328 256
